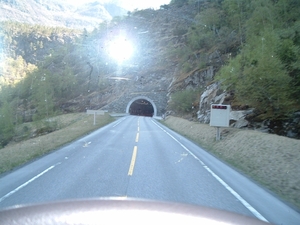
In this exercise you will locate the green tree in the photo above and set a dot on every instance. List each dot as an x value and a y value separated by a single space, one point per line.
289 53
259 77
287 11
262 17
236 14
182 101
64 83
6 123
42 94
178 3
211 18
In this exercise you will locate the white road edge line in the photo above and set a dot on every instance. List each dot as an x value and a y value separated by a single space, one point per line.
120 121
233 192
28 182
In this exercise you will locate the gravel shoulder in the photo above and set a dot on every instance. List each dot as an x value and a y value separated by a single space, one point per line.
271 160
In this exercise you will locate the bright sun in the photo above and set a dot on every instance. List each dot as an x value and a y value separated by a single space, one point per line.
120 49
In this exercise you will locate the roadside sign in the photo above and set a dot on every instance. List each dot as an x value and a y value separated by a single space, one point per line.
95 112
219 115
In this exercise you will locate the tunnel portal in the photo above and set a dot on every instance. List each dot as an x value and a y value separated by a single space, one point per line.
141 106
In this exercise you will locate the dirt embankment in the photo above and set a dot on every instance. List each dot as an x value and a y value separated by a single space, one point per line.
271 160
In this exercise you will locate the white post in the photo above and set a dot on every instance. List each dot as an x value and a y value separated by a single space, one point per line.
95 112
218 135
94 118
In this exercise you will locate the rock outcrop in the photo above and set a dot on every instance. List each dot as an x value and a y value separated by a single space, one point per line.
246 118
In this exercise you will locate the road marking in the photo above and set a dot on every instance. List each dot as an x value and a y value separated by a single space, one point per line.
224 184
132 163
28 182
137 137
121 120
86 144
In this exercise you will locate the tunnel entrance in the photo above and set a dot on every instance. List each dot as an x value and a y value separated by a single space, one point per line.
141 106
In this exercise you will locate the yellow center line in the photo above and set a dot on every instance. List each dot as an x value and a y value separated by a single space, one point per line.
137 137
131 167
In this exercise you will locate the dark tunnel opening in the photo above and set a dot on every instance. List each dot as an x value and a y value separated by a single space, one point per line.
141 107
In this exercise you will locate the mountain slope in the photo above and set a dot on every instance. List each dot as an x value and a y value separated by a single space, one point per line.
58 13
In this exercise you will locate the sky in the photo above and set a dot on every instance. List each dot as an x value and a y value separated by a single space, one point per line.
127 4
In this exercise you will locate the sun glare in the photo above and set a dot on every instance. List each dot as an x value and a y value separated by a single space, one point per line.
120 49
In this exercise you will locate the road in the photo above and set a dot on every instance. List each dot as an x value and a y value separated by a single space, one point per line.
137 157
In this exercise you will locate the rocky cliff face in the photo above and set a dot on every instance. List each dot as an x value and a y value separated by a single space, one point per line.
243 116
150 72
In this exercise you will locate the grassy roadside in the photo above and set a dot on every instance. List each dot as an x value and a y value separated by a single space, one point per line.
72 126
271 160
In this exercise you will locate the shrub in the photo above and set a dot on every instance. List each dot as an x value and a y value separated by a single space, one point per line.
182 101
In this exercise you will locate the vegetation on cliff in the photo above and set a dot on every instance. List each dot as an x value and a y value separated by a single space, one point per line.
258 44
36 74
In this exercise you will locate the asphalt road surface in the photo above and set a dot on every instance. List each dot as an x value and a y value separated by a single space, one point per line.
137 157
